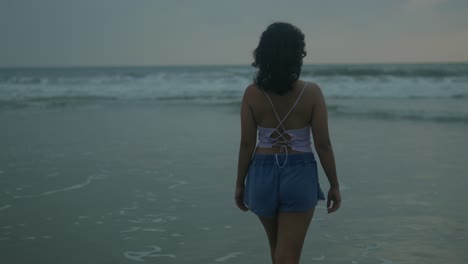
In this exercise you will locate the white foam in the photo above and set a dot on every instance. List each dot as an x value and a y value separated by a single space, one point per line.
176 235
205 228
153 220
177 184
46 237
1 172
132 229
228 256
227 226
321 258
7 227
5 207
83 217
386 261
52 174
369 249
134 207
140 221
344 187
28 238
99 222
4 238
330 238
153 230
70 188
141 255
171 218
153 215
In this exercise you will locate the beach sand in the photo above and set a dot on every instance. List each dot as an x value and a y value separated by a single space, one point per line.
154 182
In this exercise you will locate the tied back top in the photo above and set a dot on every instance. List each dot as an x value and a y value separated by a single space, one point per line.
299 139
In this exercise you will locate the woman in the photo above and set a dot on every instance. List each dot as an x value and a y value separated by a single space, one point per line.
277 178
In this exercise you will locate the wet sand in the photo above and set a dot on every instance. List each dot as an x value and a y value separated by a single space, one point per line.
154 183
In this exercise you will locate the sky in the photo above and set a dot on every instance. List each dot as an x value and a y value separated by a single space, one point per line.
204 32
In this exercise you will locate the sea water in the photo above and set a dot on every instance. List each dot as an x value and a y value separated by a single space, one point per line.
409 91
138 164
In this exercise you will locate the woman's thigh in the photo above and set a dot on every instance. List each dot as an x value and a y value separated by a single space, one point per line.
291 232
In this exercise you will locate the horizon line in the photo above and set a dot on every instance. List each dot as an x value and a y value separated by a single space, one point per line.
219 65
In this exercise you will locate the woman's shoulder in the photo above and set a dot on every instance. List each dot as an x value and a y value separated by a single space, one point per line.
252 87
252 90
250 93
313 92
312 86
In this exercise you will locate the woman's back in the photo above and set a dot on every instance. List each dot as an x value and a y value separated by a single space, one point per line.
297 104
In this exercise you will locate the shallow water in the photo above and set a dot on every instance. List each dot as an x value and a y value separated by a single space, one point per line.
154 183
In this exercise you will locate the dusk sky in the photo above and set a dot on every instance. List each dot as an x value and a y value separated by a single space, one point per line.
163 32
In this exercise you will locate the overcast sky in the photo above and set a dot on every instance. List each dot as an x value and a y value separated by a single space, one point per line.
168 32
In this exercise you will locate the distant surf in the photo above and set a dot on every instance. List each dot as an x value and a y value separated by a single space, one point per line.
224 85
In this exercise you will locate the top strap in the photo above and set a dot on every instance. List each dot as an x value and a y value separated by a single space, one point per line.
281 121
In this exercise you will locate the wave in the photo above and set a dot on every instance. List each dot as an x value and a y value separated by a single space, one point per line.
410 92
337 108
379 71
459 96
412 115
79 100
54 101
102 75
401 96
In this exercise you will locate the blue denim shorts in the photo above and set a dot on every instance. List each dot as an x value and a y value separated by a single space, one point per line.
270 189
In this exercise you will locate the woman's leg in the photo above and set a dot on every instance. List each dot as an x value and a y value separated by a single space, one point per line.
291 232
271 228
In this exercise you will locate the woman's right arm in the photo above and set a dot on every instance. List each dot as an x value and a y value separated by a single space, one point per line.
324 148
247 147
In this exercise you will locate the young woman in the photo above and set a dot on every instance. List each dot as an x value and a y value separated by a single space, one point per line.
277 178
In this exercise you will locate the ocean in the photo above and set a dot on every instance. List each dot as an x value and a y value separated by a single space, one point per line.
435 92
138 164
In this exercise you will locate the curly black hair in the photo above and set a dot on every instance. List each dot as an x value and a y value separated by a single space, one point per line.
278 57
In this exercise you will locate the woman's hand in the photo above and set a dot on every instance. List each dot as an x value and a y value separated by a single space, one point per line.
239 198
335 197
